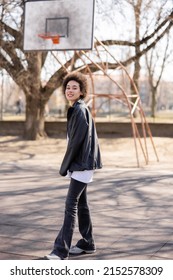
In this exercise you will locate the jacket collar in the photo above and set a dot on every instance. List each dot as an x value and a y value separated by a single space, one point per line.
80 101
71 109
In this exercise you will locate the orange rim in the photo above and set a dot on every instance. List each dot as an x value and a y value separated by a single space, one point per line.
54 38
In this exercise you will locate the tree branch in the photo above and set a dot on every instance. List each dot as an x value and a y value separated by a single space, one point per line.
17 76
14 33
140 42
145 50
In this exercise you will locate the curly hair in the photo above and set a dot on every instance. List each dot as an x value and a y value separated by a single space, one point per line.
80 79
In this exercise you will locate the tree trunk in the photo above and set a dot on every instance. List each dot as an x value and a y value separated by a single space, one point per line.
136 81
137 13
153 102
35 122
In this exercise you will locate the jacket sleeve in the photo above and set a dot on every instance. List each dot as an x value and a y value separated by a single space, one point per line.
77 135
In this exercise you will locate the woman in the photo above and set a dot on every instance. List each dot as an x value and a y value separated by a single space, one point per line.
82 157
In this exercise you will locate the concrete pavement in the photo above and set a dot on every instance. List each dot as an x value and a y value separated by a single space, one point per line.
131 207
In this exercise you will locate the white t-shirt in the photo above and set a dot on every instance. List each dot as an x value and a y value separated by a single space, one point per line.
85 176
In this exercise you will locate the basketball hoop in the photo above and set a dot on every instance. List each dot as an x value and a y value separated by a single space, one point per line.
54 38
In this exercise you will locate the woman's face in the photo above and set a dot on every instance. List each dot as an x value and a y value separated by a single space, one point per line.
72 91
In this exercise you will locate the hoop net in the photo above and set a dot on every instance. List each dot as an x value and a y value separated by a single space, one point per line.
55 38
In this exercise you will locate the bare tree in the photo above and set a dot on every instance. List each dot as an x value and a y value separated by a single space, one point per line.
25 67
136 6
142 24
155 63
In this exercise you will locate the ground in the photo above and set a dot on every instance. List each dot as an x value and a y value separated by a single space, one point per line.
130 201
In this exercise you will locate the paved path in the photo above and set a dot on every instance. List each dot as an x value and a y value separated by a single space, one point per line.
131 207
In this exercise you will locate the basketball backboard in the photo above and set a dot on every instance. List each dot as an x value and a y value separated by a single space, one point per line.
73 21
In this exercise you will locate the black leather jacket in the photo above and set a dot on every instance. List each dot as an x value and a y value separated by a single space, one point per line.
83 151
